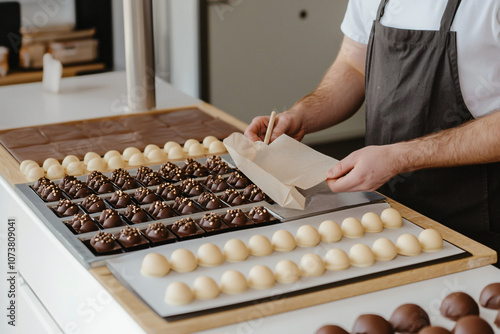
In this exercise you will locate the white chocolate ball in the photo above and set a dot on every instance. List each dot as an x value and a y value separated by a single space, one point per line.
29 166
89 156
35 173
209 255
55 172
69 159
49 162
208 140
113 153
96 164
287 271
283 241
430 240
384 249
372 223
25 163
178 293
182 260
116 162
176 153
149 148
337 259
188 144
157 156
307 236
311 265
205 287
408 245
137 159
330 231
391 218
129 152
169 144
259 245
217 147
233 282
235 250
261 277
155 265
352 228
75 168
361 255
196 150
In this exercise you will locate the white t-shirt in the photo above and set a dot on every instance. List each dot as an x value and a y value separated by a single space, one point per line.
477 24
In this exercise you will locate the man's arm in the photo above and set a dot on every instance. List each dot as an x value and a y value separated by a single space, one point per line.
337 97
474 142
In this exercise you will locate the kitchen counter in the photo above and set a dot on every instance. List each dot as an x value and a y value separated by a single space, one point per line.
57 294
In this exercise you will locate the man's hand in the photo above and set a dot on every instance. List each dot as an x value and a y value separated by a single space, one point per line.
366 169
286 122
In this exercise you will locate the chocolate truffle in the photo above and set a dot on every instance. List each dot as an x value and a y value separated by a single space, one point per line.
235 250
191 187
151 179
261 277
233 197
233 282
135 214
41 181
434 330
168 191
145 195
93 203
178 293
82 223
205 287
120 199
183 261
161 210
78 189
457 305
158 232
122 179
142 172
185 206
215 183
185 227
110 218
472 324
311 265
155 265
194 168
238 181
66 208
331 329
287 272
212 161
104 242
50 192
209 255
221 168
307 236
236 218
65 182
211 222
130 237
254 193
352 228
409 318
372 324
100 183
497 320
490 296
259 245
172 172
209 201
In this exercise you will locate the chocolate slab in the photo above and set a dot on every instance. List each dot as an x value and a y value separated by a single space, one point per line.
186 116
61 132
22 137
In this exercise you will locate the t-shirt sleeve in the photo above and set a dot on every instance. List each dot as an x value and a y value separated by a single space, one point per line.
358 19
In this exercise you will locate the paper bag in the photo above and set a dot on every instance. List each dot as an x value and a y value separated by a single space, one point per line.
280 167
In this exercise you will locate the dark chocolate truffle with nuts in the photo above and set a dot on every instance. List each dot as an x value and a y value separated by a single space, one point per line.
110 218
66 208
104 242
161 210
93 203
120 199
82 223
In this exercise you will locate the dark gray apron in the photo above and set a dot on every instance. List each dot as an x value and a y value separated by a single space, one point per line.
413 89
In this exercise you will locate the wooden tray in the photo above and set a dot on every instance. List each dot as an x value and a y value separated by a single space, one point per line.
152 323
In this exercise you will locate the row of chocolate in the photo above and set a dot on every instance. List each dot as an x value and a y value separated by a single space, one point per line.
158 233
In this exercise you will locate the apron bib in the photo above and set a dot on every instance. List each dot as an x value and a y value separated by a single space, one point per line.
413 89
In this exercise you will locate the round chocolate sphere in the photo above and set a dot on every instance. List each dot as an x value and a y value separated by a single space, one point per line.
457 305
409 318
372 324
490 296
472 324
434 330
331 329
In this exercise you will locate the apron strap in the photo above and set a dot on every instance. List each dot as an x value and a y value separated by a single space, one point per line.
381 9
449 14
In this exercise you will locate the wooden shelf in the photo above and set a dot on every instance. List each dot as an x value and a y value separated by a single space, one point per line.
19 77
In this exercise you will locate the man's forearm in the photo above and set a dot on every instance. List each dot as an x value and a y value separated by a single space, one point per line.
475 142
340 93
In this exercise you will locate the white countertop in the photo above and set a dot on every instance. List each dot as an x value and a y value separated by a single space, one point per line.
81 97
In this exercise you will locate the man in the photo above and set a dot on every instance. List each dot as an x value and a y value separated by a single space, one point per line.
429 71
